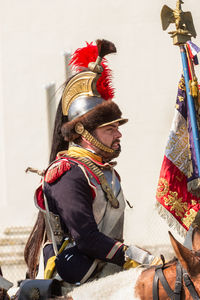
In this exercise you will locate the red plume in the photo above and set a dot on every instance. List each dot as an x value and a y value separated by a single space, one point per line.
80 60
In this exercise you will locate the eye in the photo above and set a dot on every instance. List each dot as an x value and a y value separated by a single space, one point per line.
109 129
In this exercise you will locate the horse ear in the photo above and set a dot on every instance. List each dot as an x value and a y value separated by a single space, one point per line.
187 258
196 239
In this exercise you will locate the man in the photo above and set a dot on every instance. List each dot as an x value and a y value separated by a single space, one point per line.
80 194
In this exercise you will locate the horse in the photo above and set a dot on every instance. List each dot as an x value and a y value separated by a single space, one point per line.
138 283
189 260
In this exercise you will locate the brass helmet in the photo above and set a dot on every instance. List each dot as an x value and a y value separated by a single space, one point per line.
87 97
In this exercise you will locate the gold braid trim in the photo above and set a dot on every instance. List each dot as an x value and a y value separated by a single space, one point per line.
95 142
79 128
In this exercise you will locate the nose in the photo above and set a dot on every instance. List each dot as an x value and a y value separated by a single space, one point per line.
118 134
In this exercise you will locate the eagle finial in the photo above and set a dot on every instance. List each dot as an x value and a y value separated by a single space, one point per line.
183 22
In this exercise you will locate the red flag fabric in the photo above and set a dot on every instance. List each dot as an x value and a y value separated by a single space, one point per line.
178 196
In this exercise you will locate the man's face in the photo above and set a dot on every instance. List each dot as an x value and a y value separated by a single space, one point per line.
109 135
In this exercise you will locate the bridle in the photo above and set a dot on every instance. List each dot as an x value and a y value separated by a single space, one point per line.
181 275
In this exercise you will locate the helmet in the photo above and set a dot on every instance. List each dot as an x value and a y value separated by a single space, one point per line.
87 97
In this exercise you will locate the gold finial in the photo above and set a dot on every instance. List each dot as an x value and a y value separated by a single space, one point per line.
183 22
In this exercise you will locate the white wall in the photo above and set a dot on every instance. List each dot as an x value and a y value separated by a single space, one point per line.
2 142
33 34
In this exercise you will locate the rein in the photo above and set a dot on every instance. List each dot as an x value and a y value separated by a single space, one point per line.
181 275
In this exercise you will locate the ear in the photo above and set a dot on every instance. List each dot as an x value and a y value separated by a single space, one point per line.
189 261
196 239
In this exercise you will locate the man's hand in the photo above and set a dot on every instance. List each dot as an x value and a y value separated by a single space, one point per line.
130 263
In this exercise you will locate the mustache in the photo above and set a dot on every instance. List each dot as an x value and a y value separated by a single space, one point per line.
115 141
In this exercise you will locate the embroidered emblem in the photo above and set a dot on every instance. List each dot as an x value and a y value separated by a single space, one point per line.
194 202
163 187
177 148
189 217
56 170
180 98
176 203
182 84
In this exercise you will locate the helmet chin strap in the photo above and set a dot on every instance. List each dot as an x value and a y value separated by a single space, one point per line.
79 128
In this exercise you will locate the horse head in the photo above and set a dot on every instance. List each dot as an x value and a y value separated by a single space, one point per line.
189 260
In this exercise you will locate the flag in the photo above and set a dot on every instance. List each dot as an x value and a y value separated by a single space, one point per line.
193 50
178 191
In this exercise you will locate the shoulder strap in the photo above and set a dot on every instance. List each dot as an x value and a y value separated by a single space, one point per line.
102 179
55 248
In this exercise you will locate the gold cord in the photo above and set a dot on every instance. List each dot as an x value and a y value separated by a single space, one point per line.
79 128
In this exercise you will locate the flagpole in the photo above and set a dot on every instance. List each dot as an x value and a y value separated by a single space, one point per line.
185 207
191 106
